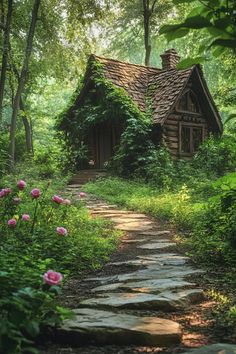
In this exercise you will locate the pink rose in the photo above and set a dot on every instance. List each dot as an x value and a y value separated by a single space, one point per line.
62 231
67 201
57 199
16 200
52 278
2 193
82 194
21 184
7 190
12 222
35 193
25 217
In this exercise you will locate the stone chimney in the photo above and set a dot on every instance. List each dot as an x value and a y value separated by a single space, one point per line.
170 59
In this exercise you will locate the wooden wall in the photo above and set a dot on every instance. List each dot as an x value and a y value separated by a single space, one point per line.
171 129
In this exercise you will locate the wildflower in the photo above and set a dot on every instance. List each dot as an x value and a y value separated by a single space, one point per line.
67 201
25 217
2 193
62 231
21 184
35 193
52 278
82 194
16 200
57 199
7 191
12 222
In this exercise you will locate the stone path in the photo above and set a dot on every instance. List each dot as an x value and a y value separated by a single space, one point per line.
157 279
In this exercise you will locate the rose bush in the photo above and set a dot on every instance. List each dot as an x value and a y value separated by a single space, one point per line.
36 256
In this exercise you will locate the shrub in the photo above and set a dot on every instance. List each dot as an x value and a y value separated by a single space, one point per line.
216 156
40 232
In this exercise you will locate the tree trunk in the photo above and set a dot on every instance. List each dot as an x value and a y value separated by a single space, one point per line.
20 88
146 18
6 37
147 14
27 126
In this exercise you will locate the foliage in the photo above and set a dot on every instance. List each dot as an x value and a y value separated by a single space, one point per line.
217 17
110 101
39 233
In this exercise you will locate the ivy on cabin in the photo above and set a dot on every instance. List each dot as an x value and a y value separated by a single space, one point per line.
106 101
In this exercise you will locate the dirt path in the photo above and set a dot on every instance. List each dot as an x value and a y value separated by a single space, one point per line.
148 299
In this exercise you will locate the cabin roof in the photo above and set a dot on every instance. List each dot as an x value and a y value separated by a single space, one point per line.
142 83
149 85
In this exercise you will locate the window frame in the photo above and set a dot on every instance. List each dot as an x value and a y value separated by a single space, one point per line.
178 109
191 126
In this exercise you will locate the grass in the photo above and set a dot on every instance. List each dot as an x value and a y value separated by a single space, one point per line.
179 207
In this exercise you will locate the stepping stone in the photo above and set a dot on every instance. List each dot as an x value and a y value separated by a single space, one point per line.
124 220
219 348
153 286
165 258
111 211
135 226
152 272
165 301
137 262
124 217
96 327
133 241
157 245
156 233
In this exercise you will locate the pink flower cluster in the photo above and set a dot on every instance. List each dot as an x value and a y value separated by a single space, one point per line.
4 192
62 231
57 199
52 278
35 193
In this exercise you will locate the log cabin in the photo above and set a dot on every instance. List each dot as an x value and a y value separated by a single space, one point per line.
183 111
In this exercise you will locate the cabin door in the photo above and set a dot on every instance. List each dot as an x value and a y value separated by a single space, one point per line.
106 137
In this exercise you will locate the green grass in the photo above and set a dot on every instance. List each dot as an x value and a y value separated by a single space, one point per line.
178 207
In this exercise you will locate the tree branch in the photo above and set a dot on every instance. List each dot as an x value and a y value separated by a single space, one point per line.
153 6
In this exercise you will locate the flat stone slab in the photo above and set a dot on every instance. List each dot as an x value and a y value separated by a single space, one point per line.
111 211
220 348
124 220
102 327
135 226
165 259
156 233
157 245
165 301
153 286
133 241
125 217
151 272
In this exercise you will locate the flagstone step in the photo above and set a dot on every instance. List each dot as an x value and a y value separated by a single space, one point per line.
151 272
153 286
165 301
219 348
96 327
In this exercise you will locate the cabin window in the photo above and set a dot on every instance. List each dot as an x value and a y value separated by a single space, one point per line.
190 139
189 103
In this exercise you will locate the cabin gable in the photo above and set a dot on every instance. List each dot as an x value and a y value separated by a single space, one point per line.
190 121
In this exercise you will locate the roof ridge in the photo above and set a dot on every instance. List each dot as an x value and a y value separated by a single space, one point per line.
127 63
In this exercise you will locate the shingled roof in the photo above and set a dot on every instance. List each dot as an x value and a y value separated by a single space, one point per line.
141 82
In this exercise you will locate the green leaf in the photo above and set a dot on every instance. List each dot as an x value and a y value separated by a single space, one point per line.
196 22
228 43
179 33
169 28
32 327
186 63
176 2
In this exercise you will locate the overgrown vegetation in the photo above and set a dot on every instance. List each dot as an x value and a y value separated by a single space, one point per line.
40 231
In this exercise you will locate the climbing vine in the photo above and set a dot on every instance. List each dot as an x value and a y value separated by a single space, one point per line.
106 101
